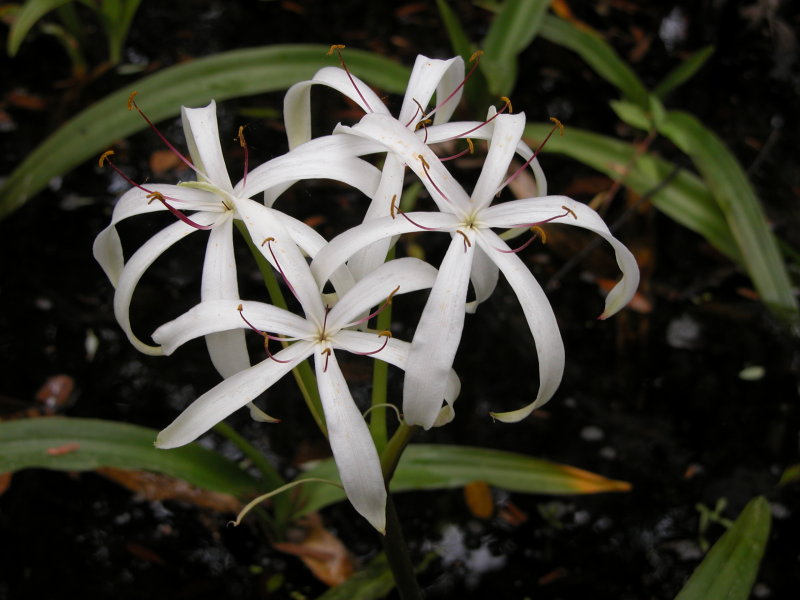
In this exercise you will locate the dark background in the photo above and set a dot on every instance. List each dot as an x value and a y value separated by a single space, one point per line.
652 397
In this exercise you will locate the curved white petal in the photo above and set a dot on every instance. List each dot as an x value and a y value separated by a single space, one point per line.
402 274
223 315
505 138
283 254
541 320
353 449
443 188
202 137
484 277
396 353
297 101
389 190
347 243
437 336
229 395
138 264
430 74
279 173
227 349
107 248
569 212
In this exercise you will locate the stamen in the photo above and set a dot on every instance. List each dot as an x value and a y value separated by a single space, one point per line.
268 241
475 59
470 149
243 144
419 110
537 232
424 124
535 227
384 334
379 310
132 104
327 352
151 195
506 107
426 167
267 337
338 49
393 207
160 197
558 125
467 243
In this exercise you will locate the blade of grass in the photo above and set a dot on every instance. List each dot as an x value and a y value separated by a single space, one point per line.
598 55
730 567
27 16
683 72
226 75
731 189
511 31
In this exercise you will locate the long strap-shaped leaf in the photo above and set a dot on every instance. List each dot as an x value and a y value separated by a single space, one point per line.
226 75
729 569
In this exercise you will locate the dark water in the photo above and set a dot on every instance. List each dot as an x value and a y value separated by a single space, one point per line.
656 399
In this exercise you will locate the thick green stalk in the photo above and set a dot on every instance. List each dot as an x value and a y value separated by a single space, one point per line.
380 382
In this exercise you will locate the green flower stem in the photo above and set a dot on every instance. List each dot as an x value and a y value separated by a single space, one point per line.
303 374
393 543
281 504
380 382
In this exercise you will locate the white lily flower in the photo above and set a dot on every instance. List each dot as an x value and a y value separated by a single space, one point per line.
445 77
320 333
475 249
214 203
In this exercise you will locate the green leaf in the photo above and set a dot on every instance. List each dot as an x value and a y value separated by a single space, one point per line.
87 444
730 567
732 191
371 582
432 467
117 17
27 17
632 114
598 54
685 198
226 75
683 72
458 37
511 31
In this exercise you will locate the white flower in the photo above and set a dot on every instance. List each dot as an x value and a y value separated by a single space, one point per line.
215 203
475 249
445 77
320 333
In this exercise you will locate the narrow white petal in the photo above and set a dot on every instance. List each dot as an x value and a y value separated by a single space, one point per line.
569 212
402 274
227 349
107 248
505 138
389 190
138 264
353 449
541 320
344 245
223 315
282 253
437 336
230 395
431 74
202 137
297 101
484 279
443 188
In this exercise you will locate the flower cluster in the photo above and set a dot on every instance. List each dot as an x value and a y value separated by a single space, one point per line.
353 264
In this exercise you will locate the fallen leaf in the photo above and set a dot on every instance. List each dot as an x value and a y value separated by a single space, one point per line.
153 486
512 514
480 501
55 393
321 551
65 449
162 161
5 481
